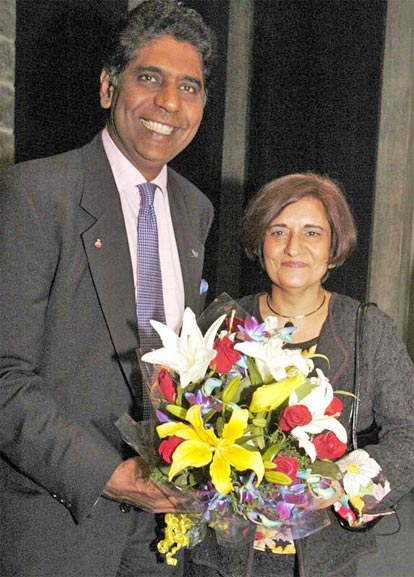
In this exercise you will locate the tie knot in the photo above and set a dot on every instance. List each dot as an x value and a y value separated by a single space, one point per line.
147 190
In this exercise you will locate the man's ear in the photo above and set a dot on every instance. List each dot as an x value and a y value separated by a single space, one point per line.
106 90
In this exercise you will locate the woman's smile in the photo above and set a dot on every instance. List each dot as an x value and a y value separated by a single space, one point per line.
297 245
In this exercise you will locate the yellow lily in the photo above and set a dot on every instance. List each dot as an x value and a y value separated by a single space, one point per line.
202 446
269 397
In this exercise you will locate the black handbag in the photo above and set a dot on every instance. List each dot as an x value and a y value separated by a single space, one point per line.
368 436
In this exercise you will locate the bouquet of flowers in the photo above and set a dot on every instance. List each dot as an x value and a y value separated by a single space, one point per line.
241 420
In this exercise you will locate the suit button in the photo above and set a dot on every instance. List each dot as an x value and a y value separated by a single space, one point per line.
125 508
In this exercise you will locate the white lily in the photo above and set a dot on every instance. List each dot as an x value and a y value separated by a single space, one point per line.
272 359
188 354
317 401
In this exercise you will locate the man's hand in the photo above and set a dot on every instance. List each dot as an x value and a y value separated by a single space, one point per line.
130 483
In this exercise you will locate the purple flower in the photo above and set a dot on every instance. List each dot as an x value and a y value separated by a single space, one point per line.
205 401
161 417
253 330
284 510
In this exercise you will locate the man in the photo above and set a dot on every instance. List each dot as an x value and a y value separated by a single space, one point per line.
69 333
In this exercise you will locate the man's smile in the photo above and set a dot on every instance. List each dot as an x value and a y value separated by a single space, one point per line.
157 127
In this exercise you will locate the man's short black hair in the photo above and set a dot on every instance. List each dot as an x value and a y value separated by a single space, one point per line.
154 19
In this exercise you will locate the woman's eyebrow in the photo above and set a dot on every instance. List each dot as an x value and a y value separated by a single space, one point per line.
283 225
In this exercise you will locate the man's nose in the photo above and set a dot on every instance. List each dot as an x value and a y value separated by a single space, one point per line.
168 97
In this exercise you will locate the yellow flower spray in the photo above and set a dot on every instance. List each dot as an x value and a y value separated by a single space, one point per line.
176 536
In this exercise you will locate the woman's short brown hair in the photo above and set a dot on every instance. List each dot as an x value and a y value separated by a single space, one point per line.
277 194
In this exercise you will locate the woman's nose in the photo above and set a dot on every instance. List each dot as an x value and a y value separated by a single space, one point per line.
293 244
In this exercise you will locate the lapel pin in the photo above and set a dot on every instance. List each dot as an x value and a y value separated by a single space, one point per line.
194 253
98 243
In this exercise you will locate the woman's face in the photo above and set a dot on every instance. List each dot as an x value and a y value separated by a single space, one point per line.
296 247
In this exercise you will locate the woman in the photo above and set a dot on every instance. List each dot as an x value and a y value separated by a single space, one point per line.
300 228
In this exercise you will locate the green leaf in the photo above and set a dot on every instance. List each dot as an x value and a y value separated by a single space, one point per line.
259 437
304 390
210 415
254 374
272 451
231 391
277 478
346 394
219 425
259 422
368 490
246 444
325 469
176 411
182 481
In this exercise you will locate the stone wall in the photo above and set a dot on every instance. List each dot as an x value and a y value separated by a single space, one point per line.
391 279
7 55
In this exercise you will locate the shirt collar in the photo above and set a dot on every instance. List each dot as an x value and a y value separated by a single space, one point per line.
126 175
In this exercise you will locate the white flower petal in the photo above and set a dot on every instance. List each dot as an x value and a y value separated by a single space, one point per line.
164 357
300 433
190 331
196 370
320 397
272 359
325 423
359 469
351 484
168 337
264 371
271 324
361 458
381 491
211 332
304 441
251 349
189 354
309 448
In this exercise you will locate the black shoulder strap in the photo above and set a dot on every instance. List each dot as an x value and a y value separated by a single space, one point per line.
359 322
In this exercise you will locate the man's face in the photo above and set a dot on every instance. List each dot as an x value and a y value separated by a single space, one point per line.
157 105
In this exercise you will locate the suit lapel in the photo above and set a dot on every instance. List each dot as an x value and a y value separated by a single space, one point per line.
106 246
107 250
190 250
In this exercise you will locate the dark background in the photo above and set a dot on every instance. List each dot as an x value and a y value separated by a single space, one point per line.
314 101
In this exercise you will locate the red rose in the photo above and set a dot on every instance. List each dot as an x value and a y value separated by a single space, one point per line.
168 446
287 465
226 355
328 446
294 416
334 408
166 385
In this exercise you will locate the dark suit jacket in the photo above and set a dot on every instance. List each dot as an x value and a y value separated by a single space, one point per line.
68 338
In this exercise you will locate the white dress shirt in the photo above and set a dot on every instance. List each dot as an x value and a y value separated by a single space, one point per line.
127 178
